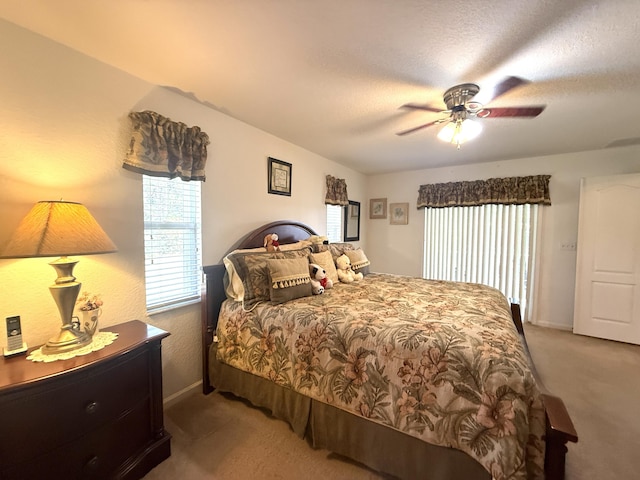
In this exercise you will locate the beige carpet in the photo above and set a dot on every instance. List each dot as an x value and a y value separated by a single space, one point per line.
218 437
599 381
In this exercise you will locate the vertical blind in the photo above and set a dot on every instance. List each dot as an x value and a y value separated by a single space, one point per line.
172 242
489 244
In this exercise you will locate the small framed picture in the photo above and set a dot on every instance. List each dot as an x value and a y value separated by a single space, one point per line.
378 208
279 177
399 213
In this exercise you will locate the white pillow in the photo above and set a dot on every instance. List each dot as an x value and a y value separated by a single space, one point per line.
233 284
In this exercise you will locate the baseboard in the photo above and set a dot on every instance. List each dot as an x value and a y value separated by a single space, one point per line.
568 328
182 394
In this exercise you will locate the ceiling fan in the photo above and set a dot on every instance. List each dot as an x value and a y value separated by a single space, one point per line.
461 109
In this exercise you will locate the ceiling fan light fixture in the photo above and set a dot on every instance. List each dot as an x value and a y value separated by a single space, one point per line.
460 106
460 131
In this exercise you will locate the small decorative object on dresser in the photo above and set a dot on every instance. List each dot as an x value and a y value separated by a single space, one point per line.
89 306
94 416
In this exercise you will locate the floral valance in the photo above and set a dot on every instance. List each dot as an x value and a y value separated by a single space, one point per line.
511 190
336 191
163 148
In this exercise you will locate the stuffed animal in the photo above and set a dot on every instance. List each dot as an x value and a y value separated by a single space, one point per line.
318 240
319 280
271 242
345 272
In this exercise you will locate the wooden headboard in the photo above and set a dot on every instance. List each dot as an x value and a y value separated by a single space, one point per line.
213 295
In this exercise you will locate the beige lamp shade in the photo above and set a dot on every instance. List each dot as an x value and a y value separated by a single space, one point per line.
58 228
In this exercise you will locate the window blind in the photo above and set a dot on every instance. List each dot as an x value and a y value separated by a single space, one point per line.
172 242
490 244
334 223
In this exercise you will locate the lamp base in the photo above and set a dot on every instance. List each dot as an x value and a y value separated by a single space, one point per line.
65 292
68 339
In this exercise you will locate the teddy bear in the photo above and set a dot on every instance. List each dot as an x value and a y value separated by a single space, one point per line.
345 272
319 280
318 239
271 242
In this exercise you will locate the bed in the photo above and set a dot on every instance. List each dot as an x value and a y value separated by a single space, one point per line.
411 377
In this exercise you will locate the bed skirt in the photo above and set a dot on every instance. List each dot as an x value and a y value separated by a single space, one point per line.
378 447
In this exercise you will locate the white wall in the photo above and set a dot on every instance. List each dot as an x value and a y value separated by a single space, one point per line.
399 248
64 131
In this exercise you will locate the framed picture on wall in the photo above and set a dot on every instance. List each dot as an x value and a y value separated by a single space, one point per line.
378 208
279 177
399 213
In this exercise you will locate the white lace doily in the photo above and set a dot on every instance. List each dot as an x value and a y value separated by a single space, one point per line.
98 342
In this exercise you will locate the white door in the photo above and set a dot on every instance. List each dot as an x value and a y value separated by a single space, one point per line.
607 300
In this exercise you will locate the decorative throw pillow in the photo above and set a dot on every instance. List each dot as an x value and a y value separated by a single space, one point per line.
251 269
336 249
326 261
359 261
289 279
301 244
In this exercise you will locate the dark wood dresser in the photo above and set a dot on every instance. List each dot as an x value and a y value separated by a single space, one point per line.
94 416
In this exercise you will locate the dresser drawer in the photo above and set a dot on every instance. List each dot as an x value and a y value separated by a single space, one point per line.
95 455
57 412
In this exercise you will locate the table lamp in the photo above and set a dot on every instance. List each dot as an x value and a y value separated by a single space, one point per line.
59 228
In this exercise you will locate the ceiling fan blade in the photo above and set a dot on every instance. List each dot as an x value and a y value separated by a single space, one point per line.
420 127
503 87
423 107
532 111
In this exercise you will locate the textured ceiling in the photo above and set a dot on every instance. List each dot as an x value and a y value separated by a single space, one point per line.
331 75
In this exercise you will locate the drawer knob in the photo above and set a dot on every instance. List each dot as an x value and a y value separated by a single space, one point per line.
92 464
91 408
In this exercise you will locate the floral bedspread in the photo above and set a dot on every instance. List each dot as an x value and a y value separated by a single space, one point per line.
441 361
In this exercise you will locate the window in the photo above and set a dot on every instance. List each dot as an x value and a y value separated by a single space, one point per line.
334 223
490 244
172 245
